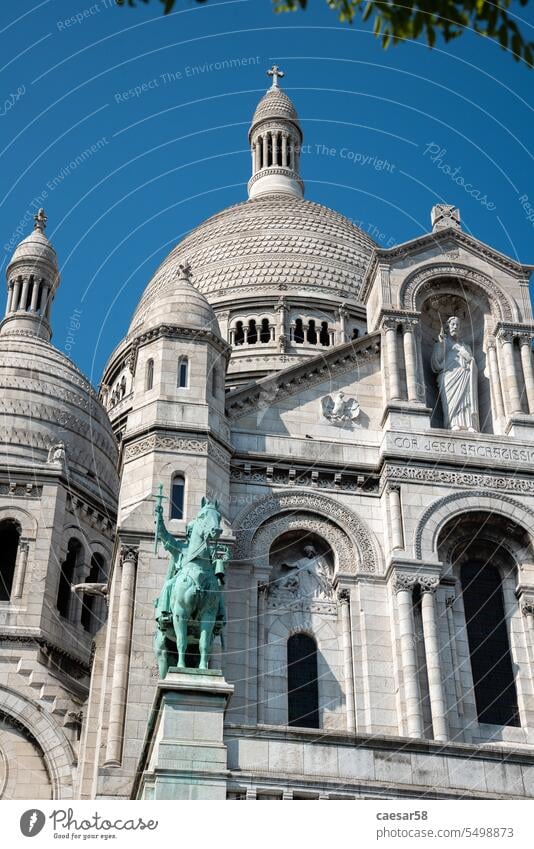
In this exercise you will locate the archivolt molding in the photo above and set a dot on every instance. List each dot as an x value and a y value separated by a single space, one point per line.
57 751
446 508
423 281
357 551
27 522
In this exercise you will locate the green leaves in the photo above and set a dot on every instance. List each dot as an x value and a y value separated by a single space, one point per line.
404 20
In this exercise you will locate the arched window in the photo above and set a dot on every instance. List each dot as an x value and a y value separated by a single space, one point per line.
298 335
252 335
302 687
149 378
123 386
324 336
311 334
215 381
183 372
90 617
9 546
489 648
66 577
265 332
177 497
355 332
239 336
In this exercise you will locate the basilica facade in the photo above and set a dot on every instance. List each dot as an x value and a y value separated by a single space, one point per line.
365 419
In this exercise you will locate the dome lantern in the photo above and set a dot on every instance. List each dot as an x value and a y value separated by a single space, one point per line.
32 279
275 139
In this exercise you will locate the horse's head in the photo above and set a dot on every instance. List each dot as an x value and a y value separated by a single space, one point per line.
208 520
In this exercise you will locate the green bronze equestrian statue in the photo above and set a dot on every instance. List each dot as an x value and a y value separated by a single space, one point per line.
190 607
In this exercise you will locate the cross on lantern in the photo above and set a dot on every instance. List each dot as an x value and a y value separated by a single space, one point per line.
275 73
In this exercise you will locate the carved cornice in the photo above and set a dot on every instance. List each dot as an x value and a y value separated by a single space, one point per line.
293 379
179 445
448 477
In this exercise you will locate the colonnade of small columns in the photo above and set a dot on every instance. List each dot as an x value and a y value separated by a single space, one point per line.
286 326
511 377
274 148
28 294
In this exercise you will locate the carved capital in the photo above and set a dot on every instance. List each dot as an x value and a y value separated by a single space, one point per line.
263 588
409 580
410 325
525 339
527 605
428 583
505 336
343 596
130 554
449 601
389 323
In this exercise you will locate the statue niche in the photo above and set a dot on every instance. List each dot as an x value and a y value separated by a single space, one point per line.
453 362
302 574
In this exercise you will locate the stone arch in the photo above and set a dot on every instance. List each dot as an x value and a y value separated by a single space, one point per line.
421 282
27 522
441 511
57 751
352 542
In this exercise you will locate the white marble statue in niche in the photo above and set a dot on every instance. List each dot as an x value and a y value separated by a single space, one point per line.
454 363
340 410
306 579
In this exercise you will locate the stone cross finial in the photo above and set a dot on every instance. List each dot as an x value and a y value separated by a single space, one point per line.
185 271
40 221
275 73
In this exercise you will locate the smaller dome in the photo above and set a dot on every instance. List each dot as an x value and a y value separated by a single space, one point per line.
181 303
275 104
35 249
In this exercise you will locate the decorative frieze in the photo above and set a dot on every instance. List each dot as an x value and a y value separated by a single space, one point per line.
342 481
178 445
449 477
21 490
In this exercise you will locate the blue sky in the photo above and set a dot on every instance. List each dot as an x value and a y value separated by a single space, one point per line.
382 129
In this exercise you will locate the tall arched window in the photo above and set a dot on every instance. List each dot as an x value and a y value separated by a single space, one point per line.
183 372
298 335
311 334
215 381
177 497
91 609
489 648
302 687
9 545
252 335
239 337
265 332
149 378
66 577
324 336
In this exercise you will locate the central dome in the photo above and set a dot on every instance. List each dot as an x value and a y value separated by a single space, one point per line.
276 243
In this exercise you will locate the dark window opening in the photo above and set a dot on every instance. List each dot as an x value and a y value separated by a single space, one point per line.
298 335
265 332
311 335
183 368
66 577
489 648
149 382
177 498
355 332
324 336
252 336
9 546
239 336
302 686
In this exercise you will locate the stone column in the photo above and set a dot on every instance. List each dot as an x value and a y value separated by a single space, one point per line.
449 604
507 347
265 158
527 609
20 571
346 629
24 294
495 381
395 512
403 586
390 333
525 341
343 314
119 687
284 150
438 706
35 295
9 298
16 294
274 151
262 599
256 150
410 358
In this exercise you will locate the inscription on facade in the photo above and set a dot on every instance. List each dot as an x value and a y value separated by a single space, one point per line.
461 448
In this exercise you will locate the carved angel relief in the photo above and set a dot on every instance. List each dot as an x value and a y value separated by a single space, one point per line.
341 410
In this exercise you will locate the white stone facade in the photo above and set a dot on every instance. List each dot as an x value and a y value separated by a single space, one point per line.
334 442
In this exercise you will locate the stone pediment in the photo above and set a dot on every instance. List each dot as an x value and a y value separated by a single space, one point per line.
444 243
295 378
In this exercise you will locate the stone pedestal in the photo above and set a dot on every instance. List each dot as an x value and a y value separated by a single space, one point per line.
184 756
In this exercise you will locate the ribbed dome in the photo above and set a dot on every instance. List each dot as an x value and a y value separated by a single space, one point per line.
184 305
46 400
35 250
272 244
275 104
